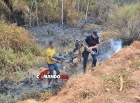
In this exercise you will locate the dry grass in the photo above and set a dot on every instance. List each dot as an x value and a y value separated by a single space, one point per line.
101 10
19 5
126 20
112 81
107 35
4 7
13 37
17 53
90 27
37 95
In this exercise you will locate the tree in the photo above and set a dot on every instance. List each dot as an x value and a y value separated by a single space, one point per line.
30 14
36 12
4 9
87 12
78 6
62 11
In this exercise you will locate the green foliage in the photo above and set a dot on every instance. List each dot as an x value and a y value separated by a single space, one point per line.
5 99
17 53
113 80
126 20
135 64
130 11
16 65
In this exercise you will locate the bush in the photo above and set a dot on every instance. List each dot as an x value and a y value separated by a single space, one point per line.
107 35
101 11
89 28
13 37
126 20
17 53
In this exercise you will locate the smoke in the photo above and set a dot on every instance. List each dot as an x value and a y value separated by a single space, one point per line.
109 48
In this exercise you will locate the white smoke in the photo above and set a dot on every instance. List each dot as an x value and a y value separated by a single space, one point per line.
116 45
109 49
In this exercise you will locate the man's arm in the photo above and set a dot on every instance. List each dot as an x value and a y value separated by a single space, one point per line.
55 60
85 43
95 47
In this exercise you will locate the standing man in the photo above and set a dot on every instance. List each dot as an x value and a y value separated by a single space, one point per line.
51 61
92 41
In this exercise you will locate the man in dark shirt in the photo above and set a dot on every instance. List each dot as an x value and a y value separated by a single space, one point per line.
92 41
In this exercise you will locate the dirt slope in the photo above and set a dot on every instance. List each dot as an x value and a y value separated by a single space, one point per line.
102 85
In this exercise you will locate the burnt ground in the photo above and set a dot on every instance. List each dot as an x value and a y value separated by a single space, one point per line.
64 36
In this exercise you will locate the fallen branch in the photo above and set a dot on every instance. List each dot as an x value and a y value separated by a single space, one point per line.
121 83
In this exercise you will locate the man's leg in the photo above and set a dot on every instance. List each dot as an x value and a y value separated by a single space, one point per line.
85 55
56 68
51 68
94 57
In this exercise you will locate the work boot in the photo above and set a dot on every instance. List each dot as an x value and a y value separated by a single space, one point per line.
92 65
84 70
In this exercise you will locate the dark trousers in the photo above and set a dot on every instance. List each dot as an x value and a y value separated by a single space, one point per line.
85 56
53 67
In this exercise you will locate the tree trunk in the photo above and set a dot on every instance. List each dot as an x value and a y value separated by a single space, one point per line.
62 11
87 13
30 18
78 5
36 13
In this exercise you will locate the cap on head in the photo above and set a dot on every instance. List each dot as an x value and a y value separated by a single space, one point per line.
95 32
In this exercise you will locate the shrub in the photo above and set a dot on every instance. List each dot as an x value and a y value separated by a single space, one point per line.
17 53
126 20
13 37
89 28
107 35
101 11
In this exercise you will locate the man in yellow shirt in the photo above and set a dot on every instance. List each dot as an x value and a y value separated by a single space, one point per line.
51 61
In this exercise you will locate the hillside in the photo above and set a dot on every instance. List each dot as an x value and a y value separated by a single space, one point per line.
27 26
102 85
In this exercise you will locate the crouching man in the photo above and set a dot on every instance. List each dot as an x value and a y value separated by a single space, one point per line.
92 42
51 61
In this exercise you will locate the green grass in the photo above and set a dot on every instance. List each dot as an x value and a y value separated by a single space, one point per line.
17 53
113 80
128 11
5 99
16 65
135 64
